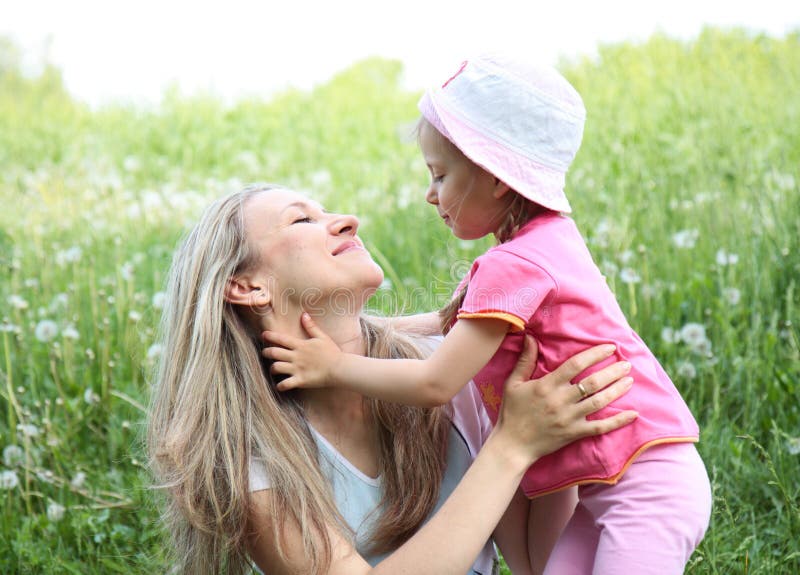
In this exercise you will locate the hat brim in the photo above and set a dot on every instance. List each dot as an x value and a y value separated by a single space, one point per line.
534 181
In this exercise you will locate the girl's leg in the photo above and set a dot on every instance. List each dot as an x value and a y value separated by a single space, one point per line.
575 550
651 521
548 516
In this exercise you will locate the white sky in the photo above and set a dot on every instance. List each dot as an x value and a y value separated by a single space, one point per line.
131 51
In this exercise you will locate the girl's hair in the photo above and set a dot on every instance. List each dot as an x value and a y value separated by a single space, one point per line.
214 408
519 212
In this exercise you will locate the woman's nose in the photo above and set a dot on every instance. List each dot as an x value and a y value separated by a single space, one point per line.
344 225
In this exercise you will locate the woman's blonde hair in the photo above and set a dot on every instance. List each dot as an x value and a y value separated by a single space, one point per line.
214 408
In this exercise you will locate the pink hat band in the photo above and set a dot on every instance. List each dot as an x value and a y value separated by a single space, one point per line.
522 123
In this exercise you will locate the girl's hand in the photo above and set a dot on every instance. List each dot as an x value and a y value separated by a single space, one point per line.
540 416
307 362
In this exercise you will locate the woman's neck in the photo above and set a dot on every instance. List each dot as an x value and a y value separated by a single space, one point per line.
339 415
327 408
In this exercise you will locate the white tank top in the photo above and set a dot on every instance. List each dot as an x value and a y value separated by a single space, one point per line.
357 495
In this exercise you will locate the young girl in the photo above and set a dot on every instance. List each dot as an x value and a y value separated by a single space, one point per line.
498 138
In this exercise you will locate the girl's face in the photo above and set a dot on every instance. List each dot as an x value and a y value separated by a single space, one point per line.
470 200
306 255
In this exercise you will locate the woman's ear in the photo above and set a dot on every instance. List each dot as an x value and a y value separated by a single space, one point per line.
243 291
500 188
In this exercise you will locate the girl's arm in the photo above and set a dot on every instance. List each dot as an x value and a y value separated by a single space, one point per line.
536 418
318 362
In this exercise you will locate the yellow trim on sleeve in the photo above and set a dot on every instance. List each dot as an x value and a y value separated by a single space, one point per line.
516 323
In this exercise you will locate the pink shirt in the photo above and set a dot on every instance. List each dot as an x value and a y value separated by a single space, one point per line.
545 283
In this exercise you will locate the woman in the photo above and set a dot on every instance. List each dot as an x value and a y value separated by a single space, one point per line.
250 472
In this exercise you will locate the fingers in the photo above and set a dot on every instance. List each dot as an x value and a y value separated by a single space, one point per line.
283 376
277 353
527 360
577 363
602 398
286 384
600 426
609 374
280 339
311 326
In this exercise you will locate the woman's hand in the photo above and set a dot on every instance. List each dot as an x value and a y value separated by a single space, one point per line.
306 362
540 416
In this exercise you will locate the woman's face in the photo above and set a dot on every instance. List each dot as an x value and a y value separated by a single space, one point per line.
307 255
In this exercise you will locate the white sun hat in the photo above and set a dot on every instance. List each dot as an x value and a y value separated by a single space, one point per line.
521 121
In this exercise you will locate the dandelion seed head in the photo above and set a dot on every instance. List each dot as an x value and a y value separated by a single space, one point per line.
629 276
732 296
68 256
55 511
693 333
17 302
609 268
321 178
154 351
69 332
28 430
8 479
126 271
90 397
45 475
793 445
7 327
131 164
78 480
724 258
685 239
159 299
702 348
686 370
13 455
46 330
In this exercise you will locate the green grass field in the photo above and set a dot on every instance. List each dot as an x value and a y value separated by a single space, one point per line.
687 189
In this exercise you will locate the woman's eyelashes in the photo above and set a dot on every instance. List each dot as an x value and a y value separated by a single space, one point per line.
310 216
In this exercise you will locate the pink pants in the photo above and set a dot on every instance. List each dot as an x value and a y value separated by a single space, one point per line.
648 523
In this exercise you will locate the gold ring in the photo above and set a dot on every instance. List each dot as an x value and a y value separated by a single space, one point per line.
584 393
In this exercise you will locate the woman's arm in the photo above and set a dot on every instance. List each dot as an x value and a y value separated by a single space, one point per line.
318 362
536 418
484 492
